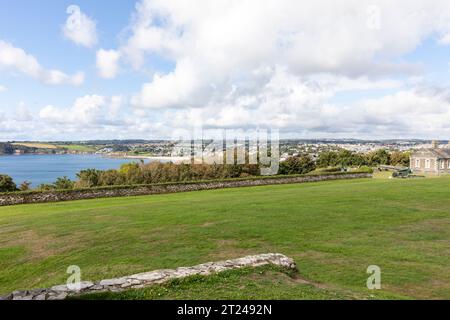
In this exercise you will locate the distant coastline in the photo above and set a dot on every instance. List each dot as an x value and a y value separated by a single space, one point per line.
105 155
159 158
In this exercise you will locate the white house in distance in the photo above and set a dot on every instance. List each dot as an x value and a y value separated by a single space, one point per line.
434 160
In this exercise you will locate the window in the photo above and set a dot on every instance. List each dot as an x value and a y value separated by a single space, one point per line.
427 164
417 163
448 164
442 164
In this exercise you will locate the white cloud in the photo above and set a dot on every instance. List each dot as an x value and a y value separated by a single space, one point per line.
23 113
16 59
282 63
89 110
219 44
285 102
80 28
88 117
108 63
420 110
2 88
307 112
175 89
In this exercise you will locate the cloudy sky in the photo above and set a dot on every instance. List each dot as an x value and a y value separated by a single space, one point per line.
106 69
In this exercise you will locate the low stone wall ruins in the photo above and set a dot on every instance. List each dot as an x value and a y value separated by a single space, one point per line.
7 199
143 280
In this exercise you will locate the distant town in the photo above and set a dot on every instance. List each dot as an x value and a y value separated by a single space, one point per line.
163 148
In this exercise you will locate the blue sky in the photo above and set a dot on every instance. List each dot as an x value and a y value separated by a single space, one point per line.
41 36
150 68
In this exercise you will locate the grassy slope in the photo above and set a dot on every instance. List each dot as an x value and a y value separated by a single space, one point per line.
36 145
334 230
78 148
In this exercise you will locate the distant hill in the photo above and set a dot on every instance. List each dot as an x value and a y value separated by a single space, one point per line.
11 148
6 148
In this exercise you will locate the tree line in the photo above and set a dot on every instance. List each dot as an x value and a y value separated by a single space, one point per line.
346 158
157 172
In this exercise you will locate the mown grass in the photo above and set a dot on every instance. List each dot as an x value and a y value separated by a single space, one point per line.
382 174
334 230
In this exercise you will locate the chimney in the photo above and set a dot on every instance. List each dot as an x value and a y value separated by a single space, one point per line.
434 144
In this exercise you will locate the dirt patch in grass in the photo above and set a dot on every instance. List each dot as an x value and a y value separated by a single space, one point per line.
284 276
40 247
37 246
228 249
233 248
327 258
440 225
428 233
208 224
419 291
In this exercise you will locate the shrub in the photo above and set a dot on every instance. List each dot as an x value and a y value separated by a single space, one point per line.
7 184
400 158
25 186
297 165
64 183
88 178
110 178
342 158
378 157
45 187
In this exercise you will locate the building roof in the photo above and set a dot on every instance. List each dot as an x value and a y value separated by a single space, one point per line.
440 153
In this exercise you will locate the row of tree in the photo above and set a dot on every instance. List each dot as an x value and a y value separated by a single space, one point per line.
345 158
156 172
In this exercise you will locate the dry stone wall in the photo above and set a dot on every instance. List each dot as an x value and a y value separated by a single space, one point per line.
142 280
8 199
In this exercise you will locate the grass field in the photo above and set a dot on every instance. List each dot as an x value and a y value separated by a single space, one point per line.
70 147
334 230
36 145
78 147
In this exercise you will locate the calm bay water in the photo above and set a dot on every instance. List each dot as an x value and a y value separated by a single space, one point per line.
46 168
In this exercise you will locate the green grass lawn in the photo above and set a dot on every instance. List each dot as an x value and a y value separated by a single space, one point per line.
334 230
